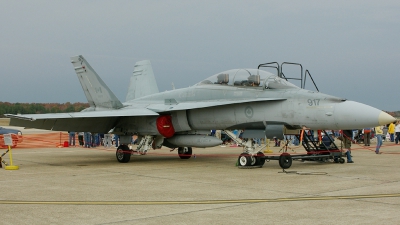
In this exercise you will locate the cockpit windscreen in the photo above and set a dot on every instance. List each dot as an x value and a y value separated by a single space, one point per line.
248 78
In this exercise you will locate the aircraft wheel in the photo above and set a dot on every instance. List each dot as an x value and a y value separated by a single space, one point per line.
185 152
260 159
244 159
285 161
341 160
123 154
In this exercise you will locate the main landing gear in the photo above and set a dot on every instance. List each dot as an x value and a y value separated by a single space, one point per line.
185 152
123 154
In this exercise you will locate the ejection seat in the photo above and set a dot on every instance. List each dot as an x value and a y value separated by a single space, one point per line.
254 80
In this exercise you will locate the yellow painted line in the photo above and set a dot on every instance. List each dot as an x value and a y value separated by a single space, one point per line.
237 201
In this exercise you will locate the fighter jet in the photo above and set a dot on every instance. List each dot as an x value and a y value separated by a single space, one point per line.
253 100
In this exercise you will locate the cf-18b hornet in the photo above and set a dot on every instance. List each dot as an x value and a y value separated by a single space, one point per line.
253 100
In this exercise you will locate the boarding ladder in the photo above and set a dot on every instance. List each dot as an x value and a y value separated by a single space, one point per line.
279 69
315 145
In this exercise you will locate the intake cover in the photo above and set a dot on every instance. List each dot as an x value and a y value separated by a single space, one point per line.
164 126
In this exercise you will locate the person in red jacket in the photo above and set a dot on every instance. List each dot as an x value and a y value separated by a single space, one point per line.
367 136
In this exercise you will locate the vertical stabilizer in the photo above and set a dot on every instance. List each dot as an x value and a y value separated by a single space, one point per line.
96 91
143 82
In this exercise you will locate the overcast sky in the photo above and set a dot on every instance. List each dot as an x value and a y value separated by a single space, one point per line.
351 48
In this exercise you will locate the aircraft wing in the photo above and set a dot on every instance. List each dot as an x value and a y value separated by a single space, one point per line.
103 121
172 105
94 121
88 114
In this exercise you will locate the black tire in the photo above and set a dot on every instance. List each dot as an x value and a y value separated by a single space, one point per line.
185 152
123 154
336 160
285 160
244 160
260 159
253 160
341 160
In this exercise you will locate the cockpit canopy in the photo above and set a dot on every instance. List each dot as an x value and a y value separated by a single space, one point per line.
251 78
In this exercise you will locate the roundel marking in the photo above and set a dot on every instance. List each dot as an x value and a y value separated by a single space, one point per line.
248 111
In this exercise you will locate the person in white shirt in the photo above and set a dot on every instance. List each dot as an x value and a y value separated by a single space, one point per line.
397 131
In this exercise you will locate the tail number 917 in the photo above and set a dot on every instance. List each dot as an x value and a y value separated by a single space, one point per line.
312 102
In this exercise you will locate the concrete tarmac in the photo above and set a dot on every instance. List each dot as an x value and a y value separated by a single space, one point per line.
88 186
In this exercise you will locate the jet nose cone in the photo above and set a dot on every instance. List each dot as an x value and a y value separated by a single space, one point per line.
385 118
355 115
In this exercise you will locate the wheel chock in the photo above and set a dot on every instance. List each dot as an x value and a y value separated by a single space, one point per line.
267 150
12 167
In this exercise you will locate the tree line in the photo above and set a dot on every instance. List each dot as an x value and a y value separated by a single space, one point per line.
34 108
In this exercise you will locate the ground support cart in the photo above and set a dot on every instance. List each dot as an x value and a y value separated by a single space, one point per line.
321 149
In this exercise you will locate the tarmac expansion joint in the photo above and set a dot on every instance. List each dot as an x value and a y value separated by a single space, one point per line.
249 167
303 173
